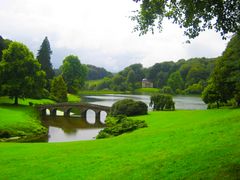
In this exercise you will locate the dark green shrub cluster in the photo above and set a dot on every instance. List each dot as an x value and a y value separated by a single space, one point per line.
128 107
4 134
162 102
119 125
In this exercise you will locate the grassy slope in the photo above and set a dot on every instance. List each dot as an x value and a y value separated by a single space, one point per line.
181 144
21 120
73 98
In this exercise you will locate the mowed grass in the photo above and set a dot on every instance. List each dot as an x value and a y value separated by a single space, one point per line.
73 98
6 100
147 90
20 121
203 144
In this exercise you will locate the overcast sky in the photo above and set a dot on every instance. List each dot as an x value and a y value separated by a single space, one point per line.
99 32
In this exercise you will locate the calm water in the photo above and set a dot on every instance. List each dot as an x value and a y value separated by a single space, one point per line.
76 128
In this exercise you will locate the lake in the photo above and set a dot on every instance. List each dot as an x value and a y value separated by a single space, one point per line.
62 129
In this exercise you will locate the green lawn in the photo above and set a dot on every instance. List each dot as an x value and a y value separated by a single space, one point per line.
73 98
203 144
92 92
147 90
6 100
20 121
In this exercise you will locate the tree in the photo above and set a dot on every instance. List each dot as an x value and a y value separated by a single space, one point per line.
21 74
211 95
97 73
225 77
4 43
74 73
44 58
193 15
131 79
59 89
175 81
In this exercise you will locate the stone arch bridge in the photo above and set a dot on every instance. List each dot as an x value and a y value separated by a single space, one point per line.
67 107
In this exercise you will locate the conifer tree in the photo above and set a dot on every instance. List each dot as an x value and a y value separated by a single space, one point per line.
59 89
44 58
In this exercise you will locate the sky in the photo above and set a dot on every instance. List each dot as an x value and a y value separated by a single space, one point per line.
100 33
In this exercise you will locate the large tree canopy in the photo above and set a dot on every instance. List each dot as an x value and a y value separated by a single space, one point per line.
225 79
74 73
193 15
20 73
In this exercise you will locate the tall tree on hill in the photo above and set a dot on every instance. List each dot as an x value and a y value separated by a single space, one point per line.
44 58
20 73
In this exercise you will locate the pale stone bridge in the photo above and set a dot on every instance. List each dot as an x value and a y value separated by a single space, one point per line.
67 107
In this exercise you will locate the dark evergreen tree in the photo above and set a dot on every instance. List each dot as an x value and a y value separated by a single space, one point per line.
44 58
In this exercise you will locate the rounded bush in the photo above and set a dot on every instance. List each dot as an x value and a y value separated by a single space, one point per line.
128 107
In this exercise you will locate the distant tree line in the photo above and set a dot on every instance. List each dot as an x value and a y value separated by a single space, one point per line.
182 77
95 73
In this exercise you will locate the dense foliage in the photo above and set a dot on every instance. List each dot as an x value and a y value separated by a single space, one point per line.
119 125
4 43
21 74
95 73
162 102
182 77
74 73
44 58
59 89
224 83
193 15
128 107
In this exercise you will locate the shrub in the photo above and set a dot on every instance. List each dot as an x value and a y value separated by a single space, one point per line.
167 90
128 107
4 134
119 125
162 102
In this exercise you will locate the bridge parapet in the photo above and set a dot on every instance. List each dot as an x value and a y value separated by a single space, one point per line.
66 108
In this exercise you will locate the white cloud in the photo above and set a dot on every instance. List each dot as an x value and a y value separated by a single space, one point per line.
99 32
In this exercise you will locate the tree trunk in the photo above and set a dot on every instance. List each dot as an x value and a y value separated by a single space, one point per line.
16 100
217 105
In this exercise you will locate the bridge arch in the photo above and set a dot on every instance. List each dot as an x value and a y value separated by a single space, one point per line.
98 111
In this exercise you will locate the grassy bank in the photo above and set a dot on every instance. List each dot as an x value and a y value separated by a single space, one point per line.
147 90
176 145
100 92
73 98
6 100
22 120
